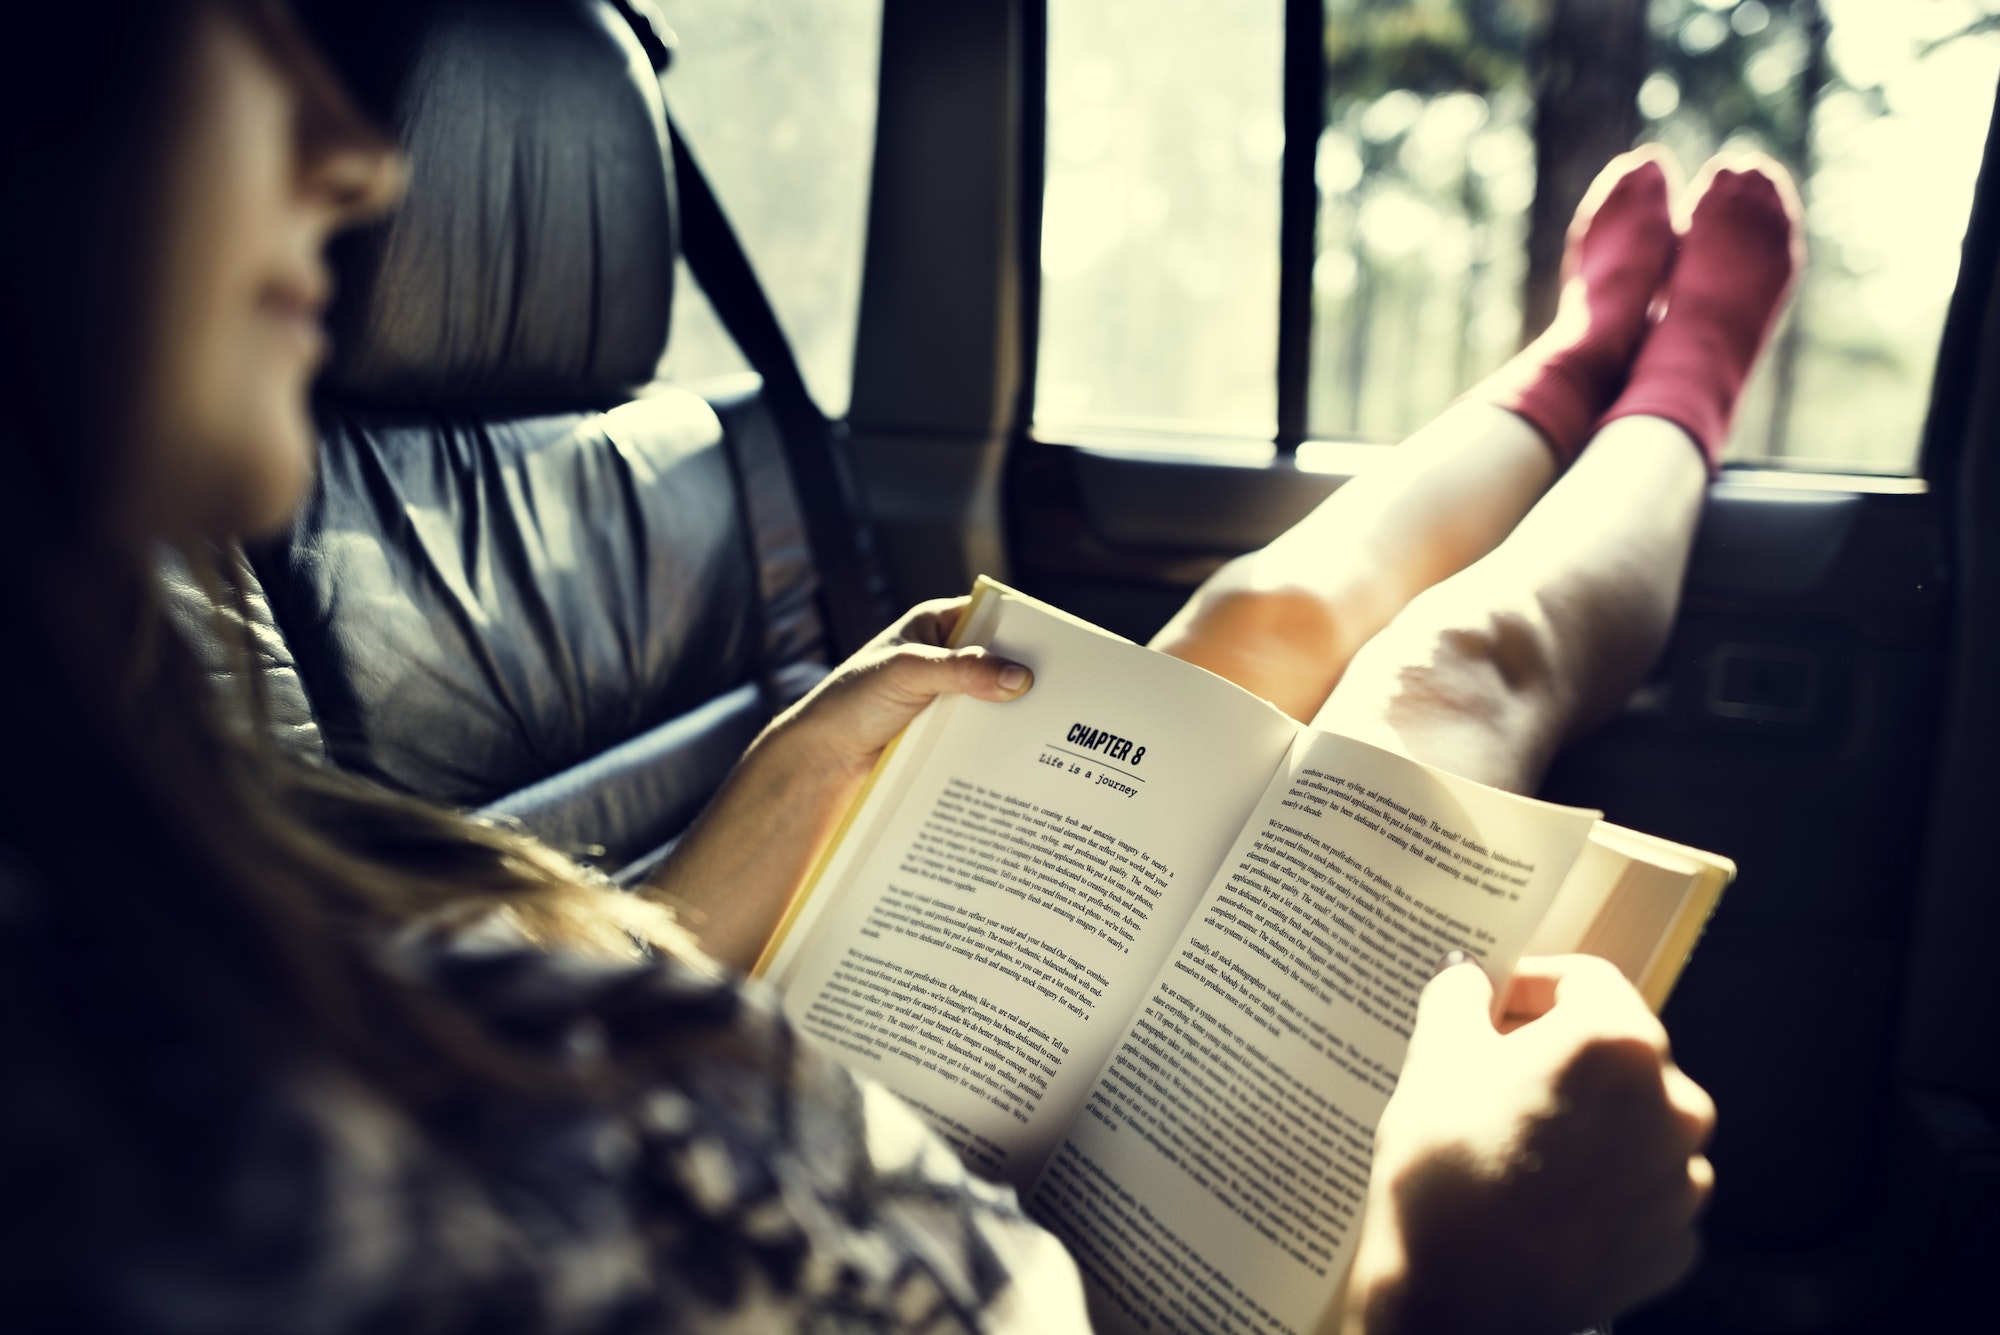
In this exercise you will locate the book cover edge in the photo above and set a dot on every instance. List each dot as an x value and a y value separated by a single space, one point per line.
1671 959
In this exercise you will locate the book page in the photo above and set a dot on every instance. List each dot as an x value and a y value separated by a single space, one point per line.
1215 1178
878 802
1018 875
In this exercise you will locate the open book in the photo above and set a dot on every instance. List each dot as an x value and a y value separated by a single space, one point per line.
1150 949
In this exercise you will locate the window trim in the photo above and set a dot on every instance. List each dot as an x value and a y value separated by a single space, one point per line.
1032 126
1969 317
1298 212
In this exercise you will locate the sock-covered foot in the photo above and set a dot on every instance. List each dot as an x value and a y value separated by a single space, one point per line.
1619 249
1736 265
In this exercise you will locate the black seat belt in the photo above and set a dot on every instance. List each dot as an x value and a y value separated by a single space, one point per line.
851 585
815 448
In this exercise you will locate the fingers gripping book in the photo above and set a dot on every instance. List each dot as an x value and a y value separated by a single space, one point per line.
1150 949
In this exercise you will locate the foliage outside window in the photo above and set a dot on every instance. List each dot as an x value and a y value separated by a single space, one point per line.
1458 136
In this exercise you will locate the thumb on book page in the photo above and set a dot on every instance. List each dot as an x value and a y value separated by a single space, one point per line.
1456 1003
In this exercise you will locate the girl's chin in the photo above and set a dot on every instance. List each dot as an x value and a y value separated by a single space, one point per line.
268 494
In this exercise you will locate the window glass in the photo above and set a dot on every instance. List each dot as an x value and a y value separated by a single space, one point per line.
1427 169
1421 257
1160 217
778 101
1896 131
1160 247
698 347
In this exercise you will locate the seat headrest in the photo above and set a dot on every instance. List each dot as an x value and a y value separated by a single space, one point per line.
531 266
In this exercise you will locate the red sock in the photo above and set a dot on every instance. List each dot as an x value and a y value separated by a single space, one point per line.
1620 246
1736 264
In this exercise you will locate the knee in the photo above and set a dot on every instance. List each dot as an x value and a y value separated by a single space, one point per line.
1242 607
1279 641
1287 614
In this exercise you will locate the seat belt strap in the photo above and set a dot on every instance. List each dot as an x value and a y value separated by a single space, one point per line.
852 590
815 448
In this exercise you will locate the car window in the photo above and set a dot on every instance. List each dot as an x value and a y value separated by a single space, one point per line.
1160 238
777 98
1160 215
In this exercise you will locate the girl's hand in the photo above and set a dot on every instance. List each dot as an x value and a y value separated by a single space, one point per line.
1534 1176
737 868
847 720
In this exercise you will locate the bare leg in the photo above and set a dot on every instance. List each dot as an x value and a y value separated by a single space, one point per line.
1283 622
1489 671
1486 673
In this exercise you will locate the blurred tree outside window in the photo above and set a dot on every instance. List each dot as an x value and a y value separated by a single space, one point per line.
778 101
1459 135
1160 216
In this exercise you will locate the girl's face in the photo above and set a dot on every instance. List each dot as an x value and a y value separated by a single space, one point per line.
272 159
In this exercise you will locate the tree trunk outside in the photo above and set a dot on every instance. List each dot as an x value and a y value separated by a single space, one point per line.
1361 317
1589 61
1799 157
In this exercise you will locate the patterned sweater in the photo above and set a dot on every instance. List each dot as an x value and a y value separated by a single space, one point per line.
156 1179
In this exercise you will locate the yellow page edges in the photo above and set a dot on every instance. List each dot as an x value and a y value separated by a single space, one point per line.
982 589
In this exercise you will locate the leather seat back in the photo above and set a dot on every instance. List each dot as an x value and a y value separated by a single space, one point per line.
530 264
519 582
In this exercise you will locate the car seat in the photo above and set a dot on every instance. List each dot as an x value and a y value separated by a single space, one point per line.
529 580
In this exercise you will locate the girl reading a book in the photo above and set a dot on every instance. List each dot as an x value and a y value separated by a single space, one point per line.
286 1051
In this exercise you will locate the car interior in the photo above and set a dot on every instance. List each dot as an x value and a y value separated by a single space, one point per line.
542 577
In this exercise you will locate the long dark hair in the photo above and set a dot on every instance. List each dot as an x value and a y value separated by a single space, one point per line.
183 864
